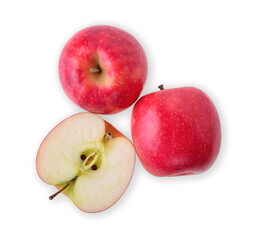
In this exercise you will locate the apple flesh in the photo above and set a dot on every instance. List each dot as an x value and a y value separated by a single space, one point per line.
176 131
103 69
88 159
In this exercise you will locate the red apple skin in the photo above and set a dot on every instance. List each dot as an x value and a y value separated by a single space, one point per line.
176 131
123 67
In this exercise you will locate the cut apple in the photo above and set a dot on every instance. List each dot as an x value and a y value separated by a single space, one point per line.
87 159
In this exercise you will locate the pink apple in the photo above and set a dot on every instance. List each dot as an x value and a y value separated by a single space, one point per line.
103 69
176 131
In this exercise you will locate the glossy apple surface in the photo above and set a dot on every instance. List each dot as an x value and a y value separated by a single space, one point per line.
176 131
90 157
103 69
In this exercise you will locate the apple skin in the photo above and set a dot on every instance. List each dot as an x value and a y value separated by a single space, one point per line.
176 131
123 67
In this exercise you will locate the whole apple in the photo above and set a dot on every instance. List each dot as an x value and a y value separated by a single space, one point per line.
88 160
103 69
176 131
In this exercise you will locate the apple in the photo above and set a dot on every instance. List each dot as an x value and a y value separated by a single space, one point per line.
103 69
176 131
88 160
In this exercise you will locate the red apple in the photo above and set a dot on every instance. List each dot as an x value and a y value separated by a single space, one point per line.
176 131
103 69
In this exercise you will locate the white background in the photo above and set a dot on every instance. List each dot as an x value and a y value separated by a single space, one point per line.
212 45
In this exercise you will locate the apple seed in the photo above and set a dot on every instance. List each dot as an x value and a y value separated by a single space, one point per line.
94 167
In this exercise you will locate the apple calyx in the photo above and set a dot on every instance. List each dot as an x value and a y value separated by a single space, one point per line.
161 87
107 137
95 70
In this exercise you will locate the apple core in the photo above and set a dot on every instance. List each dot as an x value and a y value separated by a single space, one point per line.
90 163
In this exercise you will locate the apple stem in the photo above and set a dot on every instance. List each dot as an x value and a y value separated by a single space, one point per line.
62 189
161 87
95 70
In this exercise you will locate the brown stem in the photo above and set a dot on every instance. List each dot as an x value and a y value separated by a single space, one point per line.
95 70
161 87
62 189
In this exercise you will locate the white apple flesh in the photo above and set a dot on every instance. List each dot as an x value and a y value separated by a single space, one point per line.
89 158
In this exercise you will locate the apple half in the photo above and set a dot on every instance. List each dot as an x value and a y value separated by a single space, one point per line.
88 160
